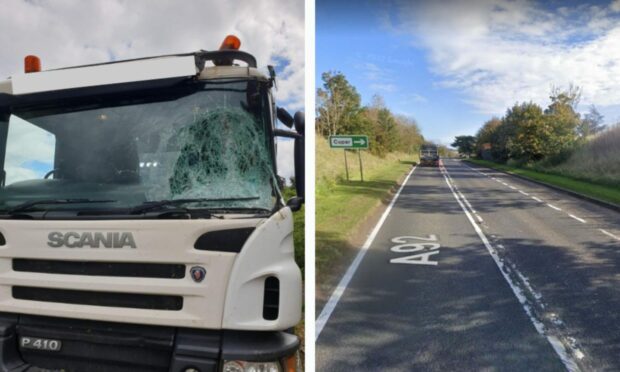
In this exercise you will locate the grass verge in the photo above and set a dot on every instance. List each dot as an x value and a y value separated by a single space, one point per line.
343 206
601 192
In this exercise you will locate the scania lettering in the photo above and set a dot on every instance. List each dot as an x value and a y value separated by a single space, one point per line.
143 223
93 240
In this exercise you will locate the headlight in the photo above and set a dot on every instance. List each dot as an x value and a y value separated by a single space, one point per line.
242 366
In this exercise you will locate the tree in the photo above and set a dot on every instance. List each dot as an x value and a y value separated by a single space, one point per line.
465 144
562 119
339 106
484 137
592 123
528 132
409 134
386 132
570 96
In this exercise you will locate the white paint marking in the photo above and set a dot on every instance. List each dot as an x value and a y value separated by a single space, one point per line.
537 199
417 259
344 282
524 193
403 239
609 234
577 218
554 207
512 187
557 345
479 218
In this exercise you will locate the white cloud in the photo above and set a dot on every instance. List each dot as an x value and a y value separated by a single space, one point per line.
380 78
72 32
383 87
499 52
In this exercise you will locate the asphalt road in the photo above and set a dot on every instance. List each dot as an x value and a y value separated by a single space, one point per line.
537 287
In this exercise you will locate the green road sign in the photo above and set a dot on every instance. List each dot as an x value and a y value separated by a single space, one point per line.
348 142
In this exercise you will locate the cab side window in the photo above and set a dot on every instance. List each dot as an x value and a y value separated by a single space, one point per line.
29 151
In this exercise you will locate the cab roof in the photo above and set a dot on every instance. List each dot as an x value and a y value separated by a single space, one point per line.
134 71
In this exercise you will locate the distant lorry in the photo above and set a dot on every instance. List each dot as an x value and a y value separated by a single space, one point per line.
143 223
429 155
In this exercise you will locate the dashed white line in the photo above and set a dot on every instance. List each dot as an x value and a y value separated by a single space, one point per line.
344 282
537 199
524 193
554 207
609 234
512 187
556 344
577 218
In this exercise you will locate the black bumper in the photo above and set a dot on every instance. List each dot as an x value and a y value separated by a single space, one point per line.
102 346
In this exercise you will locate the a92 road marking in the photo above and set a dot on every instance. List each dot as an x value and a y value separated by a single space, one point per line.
426 247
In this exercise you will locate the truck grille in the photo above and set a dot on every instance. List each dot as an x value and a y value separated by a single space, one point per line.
96 298
118 269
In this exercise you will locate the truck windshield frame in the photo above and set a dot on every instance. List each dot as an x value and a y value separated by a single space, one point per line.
198 139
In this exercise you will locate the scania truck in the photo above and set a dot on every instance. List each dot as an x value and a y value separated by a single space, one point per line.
142 221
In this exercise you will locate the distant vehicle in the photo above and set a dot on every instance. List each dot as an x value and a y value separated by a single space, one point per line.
429 156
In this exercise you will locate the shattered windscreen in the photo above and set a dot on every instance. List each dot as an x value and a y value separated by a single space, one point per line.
208 141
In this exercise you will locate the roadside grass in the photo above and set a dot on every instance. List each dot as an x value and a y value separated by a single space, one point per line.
596 161
599 191
342 206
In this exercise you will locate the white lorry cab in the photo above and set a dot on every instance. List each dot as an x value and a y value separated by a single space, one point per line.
142 225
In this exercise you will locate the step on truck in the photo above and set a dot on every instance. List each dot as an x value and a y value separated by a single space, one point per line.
143 226
429 155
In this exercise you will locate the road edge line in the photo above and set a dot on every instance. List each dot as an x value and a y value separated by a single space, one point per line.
593 200
329 307
555 343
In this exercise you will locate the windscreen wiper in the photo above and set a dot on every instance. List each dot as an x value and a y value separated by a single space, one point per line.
27 205
147 206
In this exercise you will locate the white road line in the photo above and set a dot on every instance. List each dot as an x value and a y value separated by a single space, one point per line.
479 218
512 187
554 207
344 282
577 218
537 199
609 234
557 345
524 193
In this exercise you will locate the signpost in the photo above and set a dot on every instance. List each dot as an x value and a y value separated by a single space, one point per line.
350 142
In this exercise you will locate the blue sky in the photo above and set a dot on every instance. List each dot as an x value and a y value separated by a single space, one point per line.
452 65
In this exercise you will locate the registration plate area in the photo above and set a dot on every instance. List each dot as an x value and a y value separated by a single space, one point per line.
38 343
